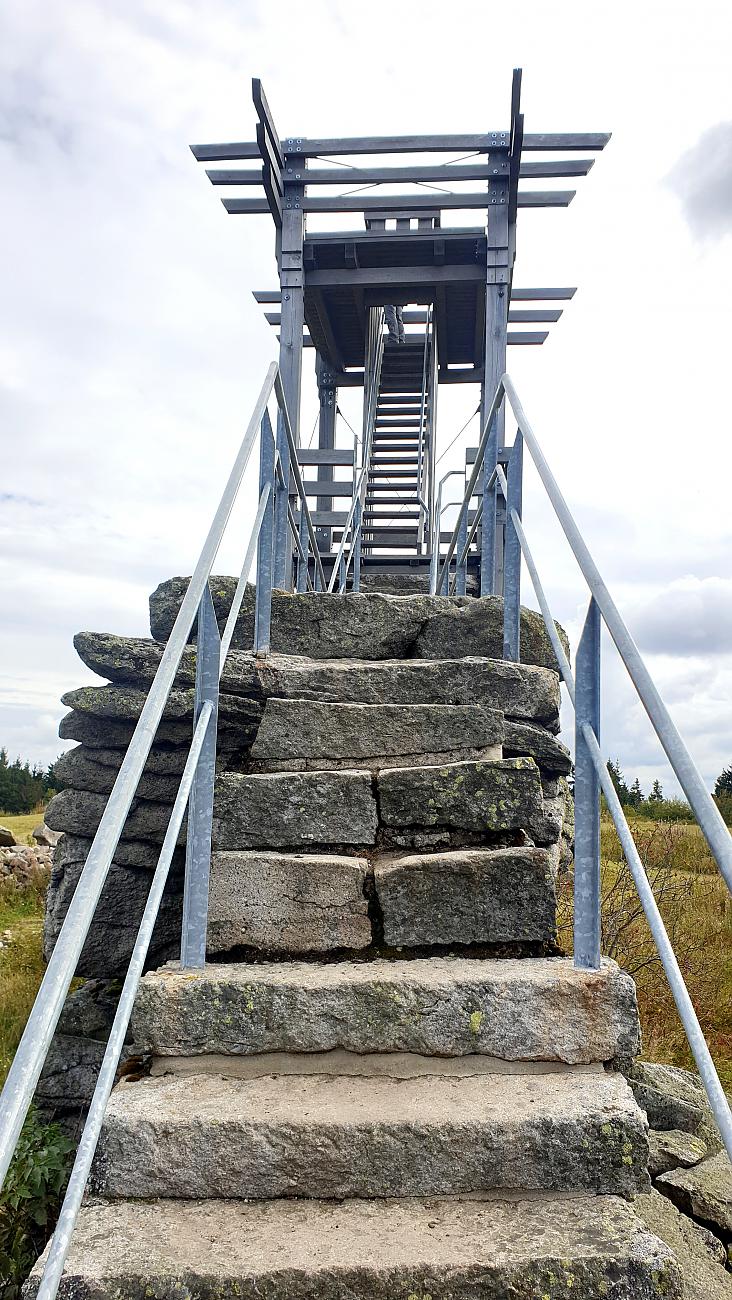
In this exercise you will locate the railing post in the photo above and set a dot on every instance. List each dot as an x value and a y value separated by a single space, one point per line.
587 797
302 565
356 583
200 809
461 570
512 556
282 548
265 545
488 523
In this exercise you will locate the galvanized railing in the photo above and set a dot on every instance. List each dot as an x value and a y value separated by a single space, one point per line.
583 687
275 532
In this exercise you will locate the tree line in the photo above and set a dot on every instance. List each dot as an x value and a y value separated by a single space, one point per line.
22 787
658 808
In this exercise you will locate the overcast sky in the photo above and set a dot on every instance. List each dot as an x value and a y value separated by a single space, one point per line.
131 350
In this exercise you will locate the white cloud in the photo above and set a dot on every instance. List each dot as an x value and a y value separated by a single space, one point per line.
131 351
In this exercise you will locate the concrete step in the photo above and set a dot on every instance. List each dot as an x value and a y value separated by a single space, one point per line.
338 1136
580 1246
371 735
512 1010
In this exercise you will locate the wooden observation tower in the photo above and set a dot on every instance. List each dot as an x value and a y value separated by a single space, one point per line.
455 284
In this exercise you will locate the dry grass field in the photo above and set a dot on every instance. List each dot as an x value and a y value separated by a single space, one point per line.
697 911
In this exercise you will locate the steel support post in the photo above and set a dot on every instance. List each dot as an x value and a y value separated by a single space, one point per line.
496 326
200 808
291 332
265 545
328 400
512 556
587 797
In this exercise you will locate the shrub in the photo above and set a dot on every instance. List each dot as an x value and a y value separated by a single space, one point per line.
30 1199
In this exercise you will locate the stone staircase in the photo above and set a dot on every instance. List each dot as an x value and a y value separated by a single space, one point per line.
386 1082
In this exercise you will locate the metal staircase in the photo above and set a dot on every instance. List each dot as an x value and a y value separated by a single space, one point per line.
398 483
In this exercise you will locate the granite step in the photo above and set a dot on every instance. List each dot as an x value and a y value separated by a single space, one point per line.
520 691
368 625
542 1009
580 1246
314 809
292 903
338 1136
311 733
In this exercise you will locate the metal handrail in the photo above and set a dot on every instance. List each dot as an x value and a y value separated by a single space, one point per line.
195 791
585 698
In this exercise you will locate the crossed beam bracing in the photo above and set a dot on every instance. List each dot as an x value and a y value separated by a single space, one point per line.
284 166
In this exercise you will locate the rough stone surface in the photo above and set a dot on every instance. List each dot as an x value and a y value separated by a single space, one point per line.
699 1253
673 1149
167 598
7 839
519 690
319 1136
44 836
522 739
704 1192
112 933
296 729
370 625
580 1246
79 769
288 903
675 1099
515 1010
79 812
478 797
293 810
467 896
121 703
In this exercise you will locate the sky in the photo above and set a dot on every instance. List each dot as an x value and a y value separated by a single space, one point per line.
131 350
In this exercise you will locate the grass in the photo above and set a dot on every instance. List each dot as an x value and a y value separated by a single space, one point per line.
22 825
697 911
21 958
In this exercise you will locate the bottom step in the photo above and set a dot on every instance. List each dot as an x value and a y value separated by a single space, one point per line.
535 1249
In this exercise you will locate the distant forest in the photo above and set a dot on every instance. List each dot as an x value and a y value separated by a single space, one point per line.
23 788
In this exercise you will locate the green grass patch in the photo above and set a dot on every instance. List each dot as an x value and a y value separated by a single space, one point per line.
22 825
21 959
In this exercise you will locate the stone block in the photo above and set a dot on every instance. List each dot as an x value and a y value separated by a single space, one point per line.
482 798
287 903
467 896
519 690
295 1250
705 1192
514 1010
672 1150
294 810
371 733
336 1136
361 625
524 740
108 945
699 1254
